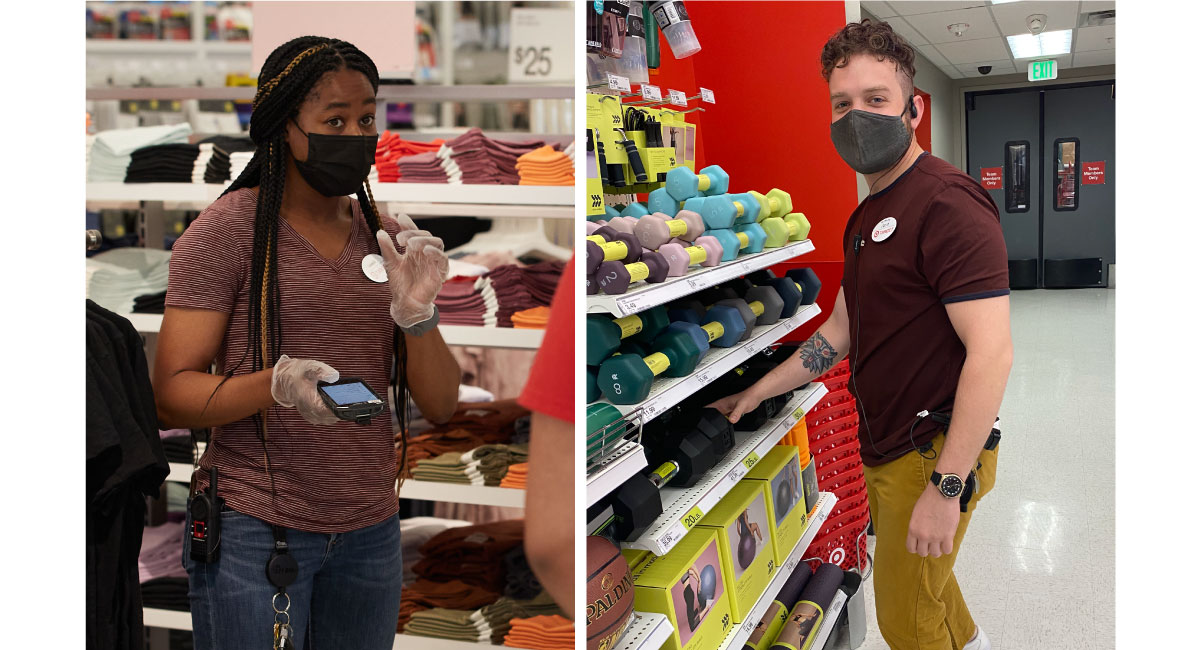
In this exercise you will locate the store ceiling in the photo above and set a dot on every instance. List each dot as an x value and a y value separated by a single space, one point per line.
925 25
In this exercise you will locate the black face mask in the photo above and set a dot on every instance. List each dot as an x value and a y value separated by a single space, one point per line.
337 165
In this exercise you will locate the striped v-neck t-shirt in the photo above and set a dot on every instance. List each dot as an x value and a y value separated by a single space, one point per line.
331 478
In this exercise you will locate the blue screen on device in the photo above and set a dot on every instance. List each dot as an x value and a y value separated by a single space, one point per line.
343 394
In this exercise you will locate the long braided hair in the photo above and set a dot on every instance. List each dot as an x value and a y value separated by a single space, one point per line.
285 81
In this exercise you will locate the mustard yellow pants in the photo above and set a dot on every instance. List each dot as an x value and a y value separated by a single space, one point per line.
917 600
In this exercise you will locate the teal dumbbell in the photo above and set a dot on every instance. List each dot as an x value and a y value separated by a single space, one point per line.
635 210
683 184
756 235
661 201
722 212
610 213
694 204
731 242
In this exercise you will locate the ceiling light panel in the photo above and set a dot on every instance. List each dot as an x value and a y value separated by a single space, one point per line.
1028 46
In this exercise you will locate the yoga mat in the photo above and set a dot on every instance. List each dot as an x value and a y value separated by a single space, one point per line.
804 620
772 621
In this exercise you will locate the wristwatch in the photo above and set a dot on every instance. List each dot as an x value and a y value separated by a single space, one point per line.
950 485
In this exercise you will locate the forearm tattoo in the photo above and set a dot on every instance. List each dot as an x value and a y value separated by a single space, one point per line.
817 354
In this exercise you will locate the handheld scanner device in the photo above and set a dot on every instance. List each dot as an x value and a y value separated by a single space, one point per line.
350 398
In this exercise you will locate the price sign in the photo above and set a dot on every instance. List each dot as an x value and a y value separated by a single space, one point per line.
630 305
651 92
736 474
678 98
706 95
797 414
617 82
749 625
751 460
790 564
702 378
541 45
692 518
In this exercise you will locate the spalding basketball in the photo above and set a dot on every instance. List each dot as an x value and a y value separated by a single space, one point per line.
609 594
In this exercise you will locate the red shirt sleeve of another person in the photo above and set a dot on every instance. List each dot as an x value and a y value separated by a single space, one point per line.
551 385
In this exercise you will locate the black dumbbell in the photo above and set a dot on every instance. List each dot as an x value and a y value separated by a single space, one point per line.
636 503
615 277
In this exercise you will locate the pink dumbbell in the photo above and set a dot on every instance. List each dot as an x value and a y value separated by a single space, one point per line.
708 253
654 230
677 258
623 224
592 226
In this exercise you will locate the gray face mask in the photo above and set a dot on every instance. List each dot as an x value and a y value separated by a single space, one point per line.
870 142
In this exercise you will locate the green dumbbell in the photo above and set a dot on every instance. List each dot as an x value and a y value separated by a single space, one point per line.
780 231
626 378
589 382
776 203
635 210
720 212
683 184
605 334
660 201
798 226
600 432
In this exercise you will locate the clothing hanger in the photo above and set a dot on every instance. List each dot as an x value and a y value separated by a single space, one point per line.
520 236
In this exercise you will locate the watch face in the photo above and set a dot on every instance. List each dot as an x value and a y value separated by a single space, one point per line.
951 486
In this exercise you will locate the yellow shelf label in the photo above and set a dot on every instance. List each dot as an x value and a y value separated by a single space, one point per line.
595 193
692 518
751 460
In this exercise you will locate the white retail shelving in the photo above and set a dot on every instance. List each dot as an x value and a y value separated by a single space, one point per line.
646 631
482 495
530 201
616 468
651 295
829 619
737 637
173 620
466 335
669 391
161 47
680 504
400 93
180 473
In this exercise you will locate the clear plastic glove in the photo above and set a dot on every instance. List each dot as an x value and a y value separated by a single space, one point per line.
294 385
414 275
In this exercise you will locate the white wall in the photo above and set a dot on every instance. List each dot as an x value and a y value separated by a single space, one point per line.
932 80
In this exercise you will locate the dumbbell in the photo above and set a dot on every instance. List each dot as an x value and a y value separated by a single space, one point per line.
626 378
792 227
636 503
620 246
800 287
724 211
600 432
759 305
593 226
683 184
734 242
615 277
722 325
589 382
660 201
623 224
810 284
680 254
606 334
635 210
757 237
610 212
656 229
776 203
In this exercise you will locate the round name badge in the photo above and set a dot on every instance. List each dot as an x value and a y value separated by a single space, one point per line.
372 266
883 229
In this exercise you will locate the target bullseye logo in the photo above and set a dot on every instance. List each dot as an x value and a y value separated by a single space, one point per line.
837 556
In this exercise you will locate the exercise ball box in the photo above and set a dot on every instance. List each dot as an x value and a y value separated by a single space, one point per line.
747 544
688 587
778 472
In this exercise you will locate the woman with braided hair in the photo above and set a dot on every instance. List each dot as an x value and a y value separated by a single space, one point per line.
280 284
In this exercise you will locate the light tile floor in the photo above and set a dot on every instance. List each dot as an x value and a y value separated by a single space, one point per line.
1037 564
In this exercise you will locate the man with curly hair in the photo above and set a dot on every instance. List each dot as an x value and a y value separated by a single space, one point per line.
923 316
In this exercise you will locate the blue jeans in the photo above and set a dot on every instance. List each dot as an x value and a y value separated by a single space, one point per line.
346 595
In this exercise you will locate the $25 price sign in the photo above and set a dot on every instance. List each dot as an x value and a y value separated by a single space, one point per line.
541 42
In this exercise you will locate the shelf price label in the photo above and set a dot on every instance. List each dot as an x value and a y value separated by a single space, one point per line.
617 82
651 92
736 474
692 518
629 305
678 97
706 95
541 45
798 413
751 460
749 624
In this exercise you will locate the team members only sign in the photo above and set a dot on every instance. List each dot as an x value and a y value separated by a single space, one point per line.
1092 173
990 178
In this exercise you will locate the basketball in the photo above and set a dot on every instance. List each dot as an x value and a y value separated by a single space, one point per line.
609 594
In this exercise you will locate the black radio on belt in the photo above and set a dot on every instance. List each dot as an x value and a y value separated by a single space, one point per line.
206 521
993 437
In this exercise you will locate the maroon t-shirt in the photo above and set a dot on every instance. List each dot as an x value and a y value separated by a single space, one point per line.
331 478
946 246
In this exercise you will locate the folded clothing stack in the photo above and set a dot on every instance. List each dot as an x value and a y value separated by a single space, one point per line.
475 159
471 554
212 158
459 303
177 445
150 303
493 461
163 163
515 477
422 168
541 633
415 531
112 151
116 277
516 288
489 623
450 467
163 579
547 166
471 426
423 594
535 318
391 148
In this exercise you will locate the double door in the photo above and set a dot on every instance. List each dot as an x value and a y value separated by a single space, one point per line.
1046 156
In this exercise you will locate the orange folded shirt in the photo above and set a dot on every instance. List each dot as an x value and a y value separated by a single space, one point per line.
515 478
541 633
535 318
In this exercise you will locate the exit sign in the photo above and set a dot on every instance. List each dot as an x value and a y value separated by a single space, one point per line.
1043 70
